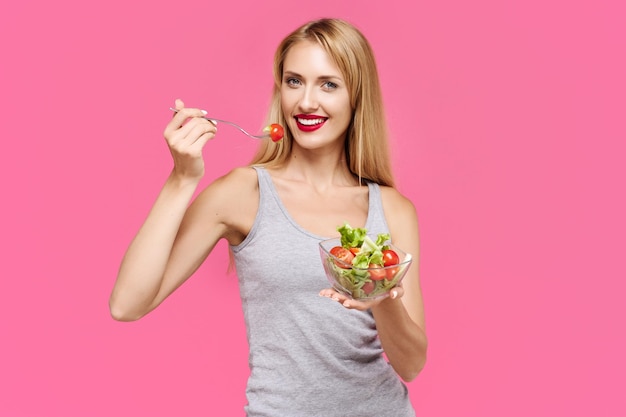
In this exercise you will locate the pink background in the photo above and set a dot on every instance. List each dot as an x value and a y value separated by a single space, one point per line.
508 133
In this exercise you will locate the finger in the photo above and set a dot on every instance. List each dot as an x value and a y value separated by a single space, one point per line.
190 131
365 304
198 144
344 300
181 118
347 302
327 292
193 143
179 105
333 294
396 293
197 147
198 125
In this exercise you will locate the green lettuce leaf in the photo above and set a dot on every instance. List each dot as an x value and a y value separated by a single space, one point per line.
351 237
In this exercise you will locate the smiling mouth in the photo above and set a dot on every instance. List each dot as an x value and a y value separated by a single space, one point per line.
311 122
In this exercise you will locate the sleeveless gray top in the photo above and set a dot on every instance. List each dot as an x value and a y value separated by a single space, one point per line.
309 356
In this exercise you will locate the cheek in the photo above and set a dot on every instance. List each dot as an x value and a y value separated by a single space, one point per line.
342 106
286 102
346 112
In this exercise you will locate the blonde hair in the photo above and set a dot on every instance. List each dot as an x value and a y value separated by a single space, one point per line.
367 147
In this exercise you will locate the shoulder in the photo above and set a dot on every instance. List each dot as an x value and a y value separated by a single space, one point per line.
238 181
231 187
395 203
232 201
400 214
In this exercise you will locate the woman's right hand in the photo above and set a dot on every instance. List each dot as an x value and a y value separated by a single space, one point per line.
186 134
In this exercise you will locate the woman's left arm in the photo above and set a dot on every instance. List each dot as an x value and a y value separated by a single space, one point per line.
400 316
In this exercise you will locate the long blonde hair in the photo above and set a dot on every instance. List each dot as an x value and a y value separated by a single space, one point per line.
367 147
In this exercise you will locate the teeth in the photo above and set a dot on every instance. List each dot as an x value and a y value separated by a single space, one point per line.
310 122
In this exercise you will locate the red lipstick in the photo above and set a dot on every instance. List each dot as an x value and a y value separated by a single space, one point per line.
309 122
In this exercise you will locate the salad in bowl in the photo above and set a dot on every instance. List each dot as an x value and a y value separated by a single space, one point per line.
363 266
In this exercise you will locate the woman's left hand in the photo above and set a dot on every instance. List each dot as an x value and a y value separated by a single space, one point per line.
362 305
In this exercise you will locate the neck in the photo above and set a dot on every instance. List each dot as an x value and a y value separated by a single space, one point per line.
319 170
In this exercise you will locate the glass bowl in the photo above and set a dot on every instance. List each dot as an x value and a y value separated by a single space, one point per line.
362 283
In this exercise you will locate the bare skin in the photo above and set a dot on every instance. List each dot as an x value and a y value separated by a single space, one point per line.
316 187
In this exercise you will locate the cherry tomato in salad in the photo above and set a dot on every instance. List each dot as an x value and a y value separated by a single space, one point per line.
377 272
390 257
343 255
276 132
368 287
391 272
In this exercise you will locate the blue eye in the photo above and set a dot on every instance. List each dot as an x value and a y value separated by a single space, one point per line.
328 85
292 82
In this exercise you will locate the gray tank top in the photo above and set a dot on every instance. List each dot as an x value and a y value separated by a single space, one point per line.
309 356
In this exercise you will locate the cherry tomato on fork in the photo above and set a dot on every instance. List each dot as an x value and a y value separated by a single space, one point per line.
276 132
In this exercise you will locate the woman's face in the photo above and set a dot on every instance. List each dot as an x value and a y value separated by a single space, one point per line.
315 98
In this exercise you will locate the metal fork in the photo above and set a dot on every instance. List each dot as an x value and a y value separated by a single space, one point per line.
215 121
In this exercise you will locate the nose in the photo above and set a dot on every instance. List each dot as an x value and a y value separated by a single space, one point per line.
309 100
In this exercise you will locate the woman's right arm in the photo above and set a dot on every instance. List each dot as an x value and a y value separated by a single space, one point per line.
147 274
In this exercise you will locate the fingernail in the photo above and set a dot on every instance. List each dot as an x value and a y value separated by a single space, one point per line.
204 112
346 304
394 294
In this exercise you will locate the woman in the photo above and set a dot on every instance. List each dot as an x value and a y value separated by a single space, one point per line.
309 356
